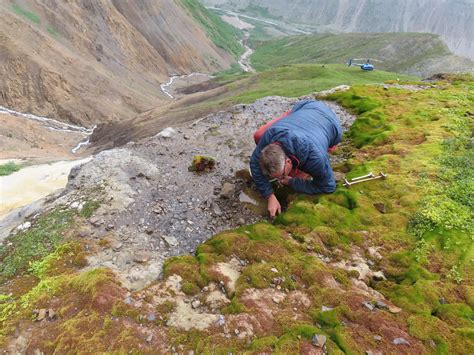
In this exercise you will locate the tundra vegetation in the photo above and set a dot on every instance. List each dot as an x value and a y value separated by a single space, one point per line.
422 236
9 168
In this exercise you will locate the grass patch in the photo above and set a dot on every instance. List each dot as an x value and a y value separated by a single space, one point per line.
221 33
53 31
27 14
34 243
338 48
9 168
299 80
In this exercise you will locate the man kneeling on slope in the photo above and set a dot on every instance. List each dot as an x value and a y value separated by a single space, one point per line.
293 149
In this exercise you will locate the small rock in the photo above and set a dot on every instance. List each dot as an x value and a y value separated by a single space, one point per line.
21 342
236 331
41 314
338 176
51 314
276 300
149 338
96 222
141 256
274 270
227 190
378 276
318 340
381 305
325 309
195 304
394 309
221 321
24 226
377 338
171 241
368 305
116 246
167 132
109 227
83 234
380 207
400 341
217 210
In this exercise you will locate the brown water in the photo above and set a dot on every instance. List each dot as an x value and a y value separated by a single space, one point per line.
253 201
33 183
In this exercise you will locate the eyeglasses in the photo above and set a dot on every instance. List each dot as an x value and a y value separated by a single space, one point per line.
284 174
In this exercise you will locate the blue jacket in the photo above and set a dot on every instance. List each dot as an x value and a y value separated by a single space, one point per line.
305 135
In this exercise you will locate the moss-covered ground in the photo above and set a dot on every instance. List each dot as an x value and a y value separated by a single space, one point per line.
421 139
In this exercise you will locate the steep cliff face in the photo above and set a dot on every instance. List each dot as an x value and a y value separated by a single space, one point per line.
453 20
94 61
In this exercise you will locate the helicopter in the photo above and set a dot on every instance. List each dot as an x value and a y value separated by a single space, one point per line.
367 66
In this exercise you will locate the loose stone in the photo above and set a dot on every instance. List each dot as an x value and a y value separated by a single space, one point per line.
400 341
318 340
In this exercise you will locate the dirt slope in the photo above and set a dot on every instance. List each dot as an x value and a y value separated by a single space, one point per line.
94 61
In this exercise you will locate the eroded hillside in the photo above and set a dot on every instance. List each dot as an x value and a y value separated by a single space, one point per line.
99 61
385 266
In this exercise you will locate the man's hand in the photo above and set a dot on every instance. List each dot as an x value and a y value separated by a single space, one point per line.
274 207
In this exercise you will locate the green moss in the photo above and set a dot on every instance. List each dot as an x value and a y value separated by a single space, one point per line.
422 297
458 315
235 307
356 103
89 208
190 288
70 253
90 281
265 344
331 318
188 268
344 198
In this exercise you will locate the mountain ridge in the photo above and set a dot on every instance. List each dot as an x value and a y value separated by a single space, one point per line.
452 20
